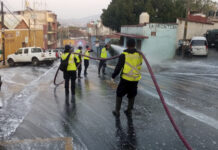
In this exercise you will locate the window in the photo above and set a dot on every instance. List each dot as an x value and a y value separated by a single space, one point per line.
19 51
138 44
198 43
36 50
121 41
26 51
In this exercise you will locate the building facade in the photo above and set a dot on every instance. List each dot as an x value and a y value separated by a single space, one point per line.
43 20
18 34
198 25
157 41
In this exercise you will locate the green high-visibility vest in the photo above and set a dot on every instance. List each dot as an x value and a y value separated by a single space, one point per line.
104 53
77 56
71 64
87 54
132 67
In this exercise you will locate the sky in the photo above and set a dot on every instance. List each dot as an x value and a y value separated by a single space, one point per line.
65 9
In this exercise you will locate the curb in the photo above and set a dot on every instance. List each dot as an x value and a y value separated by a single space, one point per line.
2 67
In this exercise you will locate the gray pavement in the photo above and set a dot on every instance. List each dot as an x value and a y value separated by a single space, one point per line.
33 108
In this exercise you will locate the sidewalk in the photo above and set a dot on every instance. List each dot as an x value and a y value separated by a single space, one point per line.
2 66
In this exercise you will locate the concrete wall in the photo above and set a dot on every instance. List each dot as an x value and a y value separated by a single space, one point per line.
15 38
159 47
134 30
194 29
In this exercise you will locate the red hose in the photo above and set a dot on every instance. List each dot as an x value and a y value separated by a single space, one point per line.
164 103
158 91
56 74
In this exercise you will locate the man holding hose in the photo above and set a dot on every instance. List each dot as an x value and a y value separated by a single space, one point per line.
102 64
129 64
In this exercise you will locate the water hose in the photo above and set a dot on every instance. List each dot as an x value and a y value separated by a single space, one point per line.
186 144
164 103
56 74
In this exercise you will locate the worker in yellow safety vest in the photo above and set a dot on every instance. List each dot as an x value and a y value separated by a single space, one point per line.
79 61
70 73
129 64
86 59
103 62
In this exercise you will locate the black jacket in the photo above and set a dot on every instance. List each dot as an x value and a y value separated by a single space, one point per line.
121 62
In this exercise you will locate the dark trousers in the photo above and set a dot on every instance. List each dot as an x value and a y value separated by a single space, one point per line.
102 64
70 75
86 64
79 69
127 87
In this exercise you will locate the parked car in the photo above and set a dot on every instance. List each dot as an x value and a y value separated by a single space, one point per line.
34 55
212 38
199 46
52 53
183 48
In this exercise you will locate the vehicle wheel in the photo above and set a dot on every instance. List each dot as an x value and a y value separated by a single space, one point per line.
11 62
35 62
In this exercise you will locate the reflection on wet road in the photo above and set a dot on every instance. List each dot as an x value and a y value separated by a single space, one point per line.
35 108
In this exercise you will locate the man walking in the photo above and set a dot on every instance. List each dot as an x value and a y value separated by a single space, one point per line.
103 62
130 62
70 73
86 59
79 61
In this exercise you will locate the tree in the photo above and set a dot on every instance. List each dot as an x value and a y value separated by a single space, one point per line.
127 12
122 12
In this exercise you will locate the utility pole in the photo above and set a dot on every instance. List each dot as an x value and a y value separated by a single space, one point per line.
29 33
3 32
186 20
34 32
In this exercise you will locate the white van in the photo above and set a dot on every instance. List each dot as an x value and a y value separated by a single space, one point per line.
199 46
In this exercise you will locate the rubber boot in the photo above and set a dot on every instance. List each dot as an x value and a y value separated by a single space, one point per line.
116 112
131 101
67 97
66 92
103 71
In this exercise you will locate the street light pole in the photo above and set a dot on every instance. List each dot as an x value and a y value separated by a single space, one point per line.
3 33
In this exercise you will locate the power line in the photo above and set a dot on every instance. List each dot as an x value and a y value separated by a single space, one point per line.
11 19
11 13
8 4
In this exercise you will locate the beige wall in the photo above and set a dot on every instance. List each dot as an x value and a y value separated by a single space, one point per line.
15 38
40 18
194 29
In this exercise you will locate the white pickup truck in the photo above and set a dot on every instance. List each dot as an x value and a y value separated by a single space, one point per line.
34 55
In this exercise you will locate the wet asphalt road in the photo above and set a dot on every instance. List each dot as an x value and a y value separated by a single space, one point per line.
34 108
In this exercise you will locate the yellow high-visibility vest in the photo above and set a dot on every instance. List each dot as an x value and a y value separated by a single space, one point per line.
132 67
71 64
87 54
104 53
77 56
